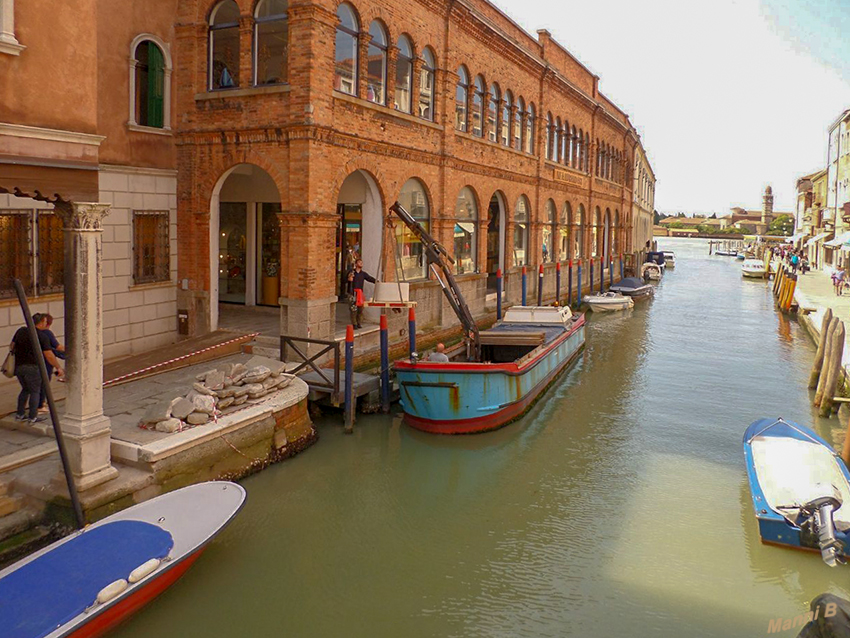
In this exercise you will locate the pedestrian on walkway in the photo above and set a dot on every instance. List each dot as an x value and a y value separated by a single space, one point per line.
838 280
59 351
26 368
357 277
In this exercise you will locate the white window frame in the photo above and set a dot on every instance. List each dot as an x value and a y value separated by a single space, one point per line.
166 107
8 42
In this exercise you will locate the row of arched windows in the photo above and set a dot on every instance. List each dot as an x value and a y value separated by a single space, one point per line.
611 163
269 47
347 63
565 145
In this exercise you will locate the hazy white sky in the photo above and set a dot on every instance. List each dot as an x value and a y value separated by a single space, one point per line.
728 96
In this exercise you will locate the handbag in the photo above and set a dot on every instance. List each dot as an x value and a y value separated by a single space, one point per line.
8 367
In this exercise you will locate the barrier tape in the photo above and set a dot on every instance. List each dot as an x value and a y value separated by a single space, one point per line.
180 358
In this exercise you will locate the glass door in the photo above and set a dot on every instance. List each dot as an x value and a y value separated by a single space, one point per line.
232 251
349 242
268 248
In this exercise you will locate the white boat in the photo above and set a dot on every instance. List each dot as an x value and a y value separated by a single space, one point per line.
753 268
608 302
651 271
669 259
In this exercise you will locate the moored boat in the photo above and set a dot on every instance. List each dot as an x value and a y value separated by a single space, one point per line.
651 271
520 356
608 301
726 253
88 582
669 258
798 485
753 268
633 287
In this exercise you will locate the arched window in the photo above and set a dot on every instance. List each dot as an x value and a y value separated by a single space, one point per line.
478 108
414 199
575 143
150 85
578 239
466 227
376 64
518 115
565 144
403 76
547 244
345 59
556 145
507 103
585 151
271 42
547 151
566 230
461 99
529 129
521 215
598 157
426 86
224 46
493 112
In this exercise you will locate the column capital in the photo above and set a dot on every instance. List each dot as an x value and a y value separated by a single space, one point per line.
83 215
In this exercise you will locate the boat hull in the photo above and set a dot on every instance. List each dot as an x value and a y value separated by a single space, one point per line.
754 274
596 306
468 398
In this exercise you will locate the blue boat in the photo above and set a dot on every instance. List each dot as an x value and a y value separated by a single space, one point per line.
798 484
520 357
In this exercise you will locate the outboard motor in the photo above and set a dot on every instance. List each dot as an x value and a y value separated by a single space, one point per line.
819 513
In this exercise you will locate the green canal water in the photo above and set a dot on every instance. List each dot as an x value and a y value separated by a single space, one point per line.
618 506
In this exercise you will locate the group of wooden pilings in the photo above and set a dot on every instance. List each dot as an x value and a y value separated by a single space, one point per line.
826 370
570 299
784 285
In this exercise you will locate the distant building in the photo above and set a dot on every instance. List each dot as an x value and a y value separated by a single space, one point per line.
757 221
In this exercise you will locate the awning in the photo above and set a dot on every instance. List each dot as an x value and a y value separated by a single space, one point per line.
817 239
843 238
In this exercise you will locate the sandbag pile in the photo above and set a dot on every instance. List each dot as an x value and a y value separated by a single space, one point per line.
226 387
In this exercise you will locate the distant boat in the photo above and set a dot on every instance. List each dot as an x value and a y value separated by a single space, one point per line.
753 268
798 486
633 287
670 258
521 356
726 253
741 256
88 582
609 301
650 270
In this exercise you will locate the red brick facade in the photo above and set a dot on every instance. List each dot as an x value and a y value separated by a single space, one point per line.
309 137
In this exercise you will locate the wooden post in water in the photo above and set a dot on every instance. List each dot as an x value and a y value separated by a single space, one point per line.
349 380
789 297
827 353
817 366
834 370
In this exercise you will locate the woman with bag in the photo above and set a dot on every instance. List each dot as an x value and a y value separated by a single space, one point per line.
26 368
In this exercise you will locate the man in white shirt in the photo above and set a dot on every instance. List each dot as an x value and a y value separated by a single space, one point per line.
439 356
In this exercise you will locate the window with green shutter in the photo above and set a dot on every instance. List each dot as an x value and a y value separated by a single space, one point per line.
150 85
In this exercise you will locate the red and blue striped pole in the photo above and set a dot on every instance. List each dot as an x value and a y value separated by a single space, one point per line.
570 283
611 274
622 271
411 330
540 286
591 275
349 379
578 281
498 293
558 282
385 366
523 285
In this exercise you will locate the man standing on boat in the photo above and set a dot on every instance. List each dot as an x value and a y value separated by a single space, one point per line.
439 355
356 278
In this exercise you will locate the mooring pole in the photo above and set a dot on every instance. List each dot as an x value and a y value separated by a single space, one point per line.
54 416
611 273
591 275
622 272
498 293
411 329
578 284
524 277
385 366
349 379
558 282
540 286
570 283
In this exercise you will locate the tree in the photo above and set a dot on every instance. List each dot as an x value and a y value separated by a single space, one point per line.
782 225
657 217
676 225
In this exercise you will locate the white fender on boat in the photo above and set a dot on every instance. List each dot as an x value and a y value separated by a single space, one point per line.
143 570
111 590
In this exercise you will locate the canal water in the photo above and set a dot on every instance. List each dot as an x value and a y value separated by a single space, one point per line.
618 506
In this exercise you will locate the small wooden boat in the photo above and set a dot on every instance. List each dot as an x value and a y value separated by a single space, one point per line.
669 258
726 253
798 485
88 582
741 256
753 268
608 301
650 271
521 356
633 287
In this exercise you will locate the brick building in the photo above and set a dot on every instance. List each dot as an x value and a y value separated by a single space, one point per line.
250 150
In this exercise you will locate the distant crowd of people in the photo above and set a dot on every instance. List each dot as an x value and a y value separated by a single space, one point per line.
793 257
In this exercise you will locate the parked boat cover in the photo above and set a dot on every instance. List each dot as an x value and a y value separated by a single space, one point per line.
628 283
54 588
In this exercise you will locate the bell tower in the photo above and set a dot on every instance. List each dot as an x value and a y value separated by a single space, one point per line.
767 208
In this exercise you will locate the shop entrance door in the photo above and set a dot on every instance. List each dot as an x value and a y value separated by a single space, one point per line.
349 243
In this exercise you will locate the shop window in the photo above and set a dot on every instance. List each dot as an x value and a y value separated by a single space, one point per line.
345 58
548 231
465 233
414 199
566 230
151 247
224 46
521 217
271 42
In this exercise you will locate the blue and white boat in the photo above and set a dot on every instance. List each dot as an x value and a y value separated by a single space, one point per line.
798 485
520 357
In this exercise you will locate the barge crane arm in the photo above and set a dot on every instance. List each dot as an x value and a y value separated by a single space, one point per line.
437 256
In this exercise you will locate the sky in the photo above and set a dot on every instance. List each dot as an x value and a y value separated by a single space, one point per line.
728 96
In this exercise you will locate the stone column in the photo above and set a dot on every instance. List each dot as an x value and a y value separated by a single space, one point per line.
85 428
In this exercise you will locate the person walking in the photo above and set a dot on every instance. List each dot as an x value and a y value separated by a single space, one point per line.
838 281
59 351
356 279
26 368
